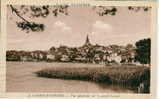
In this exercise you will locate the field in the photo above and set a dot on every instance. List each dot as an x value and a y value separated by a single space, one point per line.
126 76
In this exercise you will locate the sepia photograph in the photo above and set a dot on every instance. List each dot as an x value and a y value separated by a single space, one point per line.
78 49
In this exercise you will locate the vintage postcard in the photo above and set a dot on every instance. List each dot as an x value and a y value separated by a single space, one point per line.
78 49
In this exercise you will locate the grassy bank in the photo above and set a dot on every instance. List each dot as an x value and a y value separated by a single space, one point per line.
126 76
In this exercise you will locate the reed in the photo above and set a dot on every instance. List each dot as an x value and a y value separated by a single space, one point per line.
126 76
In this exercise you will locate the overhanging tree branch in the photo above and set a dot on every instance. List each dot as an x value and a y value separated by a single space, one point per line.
27 25
17 13
45 10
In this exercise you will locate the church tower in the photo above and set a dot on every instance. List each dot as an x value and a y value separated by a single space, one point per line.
87 41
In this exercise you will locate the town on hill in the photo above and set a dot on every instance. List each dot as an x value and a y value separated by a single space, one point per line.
88 53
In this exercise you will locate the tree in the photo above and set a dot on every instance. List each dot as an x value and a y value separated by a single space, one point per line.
52 50
143 51
35 12
73 53
24 11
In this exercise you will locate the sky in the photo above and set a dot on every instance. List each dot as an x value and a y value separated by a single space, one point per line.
71 30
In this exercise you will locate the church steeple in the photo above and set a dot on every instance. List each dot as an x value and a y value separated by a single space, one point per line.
87 41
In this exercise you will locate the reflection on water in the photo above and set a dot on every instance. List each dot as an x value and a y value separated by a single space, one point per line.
21 78
116 88
78 86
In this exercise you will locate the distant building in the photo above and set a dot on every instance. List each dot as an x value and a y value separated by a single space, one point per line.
88 53
65 58
87 43
50 57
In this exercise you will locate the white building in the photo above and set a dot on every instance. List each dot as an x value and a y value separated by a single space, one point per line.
64 58
50 57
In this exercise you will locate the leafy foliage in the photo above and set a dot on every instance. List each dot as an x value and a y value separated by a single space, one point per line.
103 10
45 10
143 51
136 9
30 26
36 12
39 11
